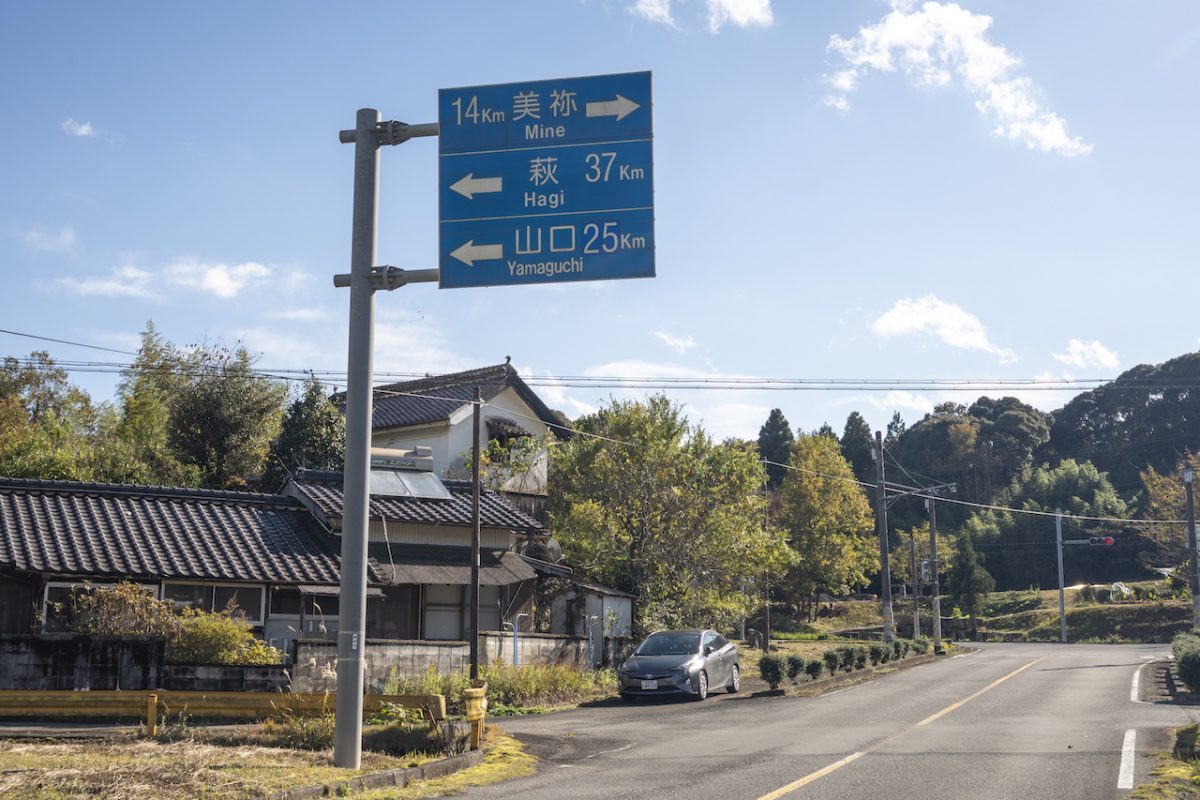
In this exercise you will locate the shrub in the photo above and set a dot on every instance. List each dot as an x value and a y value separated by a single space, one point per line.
814 667
897 649
876 651
1186 647
795 666
846 657
860 656
123 609
832 660
772 669
299 732
922 644
221 638
1086 594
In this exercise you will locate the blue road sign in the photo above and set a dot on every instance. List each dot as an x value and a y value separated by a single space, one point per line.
546 181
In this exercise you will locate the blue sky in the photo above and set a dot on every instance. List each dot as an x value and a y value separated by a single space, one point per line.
843 189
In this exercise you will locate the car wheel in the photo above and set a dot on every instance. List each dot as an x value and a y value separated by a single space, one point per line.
701 685
735 680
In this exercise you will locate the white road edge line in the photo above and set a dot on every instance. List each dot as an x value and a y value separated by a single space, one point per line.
1128 751
1135 691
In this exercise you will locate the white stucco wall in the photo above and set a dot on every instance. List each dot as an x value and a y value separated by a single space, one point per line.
451 442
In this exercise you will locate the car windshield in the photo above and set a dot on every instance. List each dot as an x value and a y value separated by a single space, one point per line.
670 644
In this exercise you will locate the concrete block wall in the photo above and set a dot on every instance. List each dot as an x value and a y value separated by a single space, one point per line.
315 668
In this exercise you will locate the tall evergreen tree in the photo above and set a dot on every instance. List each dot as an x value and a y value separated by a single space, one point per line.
970 584
857 446
895 430
775 440
313 435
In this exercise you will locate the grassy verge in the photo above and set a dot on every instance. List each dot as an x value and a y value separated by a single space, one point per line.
505 760
1174 778
525 690
124 770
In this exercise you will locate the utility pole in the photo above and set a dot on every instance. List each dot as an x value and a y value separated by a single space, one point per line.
1191 540
364 278
935 595
475 536
1062 594
916 585
885 572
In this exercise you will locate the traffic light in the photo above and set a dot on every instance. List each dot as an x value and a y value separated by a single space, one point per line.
1103 541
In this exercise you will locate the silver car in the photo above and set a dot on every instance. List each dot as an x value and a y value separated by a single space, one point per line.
681 663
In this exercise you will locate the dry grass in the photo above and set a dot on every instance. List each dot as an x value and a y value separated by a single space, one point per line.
124 770
505 760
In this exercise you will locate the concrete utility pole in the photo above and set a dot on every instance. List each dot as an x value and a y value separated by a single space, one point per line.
935 595
1191 540
368 135
885 572
1062 592
475 537
916 585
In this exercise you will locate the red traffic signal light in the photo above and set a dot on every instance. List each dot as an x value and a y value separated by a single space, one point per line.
1100 540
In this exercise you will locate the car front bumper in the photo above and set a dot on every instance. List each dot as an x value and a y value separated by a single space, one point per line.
632 683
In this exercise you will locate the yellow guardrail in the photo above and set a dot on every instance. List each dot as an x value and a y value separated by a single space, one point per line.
153 705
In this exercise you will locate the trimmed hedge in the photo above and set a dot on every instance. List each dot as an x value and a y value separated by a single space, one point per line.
795 666
771 668
1186 647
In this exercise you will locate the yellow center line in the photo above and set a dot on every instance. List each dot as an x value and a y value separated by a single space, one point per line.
966 700
807 779
821 773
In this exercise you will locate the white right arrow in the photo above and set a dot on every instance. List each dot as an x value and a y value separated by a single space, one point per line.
470 185
620 108
470 252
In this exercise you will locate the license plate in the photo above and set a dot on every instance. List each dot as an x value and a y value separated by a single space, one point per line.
649 684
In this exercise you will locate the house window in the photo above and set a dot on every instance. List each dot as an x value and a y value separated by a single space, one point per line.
286 601
247 600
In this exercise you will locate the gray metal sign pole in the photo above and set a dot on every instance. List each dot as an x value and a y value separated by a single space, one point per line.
1194 568
364 278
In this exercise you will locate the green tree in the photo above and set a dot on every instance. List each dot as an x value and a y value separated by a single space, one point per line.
672 517
828 523
775 445
969 584
1165 497
895 430
46 423
1021 545
858 446
313 436
224 416
133 442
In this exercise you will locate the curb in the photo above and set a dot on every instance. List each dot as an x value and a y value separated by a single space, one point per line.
378 780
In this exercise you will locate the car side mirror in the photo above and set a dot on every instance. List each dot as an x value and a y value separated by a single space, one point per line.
708 649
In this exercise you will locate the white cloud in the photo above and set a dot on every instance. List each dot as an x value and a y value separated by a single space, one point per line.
742 13
939 44
126 281
1088 354
62 241
680 344
655 11
301 314
951 324
73 128
221 280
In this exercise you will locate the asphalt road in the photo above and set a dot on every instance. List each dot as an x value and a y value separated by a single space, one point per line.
1009 721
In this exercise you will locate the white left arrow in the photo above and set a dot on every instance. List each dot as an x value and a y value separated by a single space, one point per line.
620 107
470 252
470 185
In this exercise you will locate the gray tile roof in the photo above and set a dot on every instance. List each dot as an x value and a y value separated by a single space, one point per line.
434 398
107 530
322 490
405 564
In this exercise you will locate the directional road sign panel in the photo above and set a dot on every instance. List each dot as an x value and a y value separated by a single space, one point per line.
546 181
